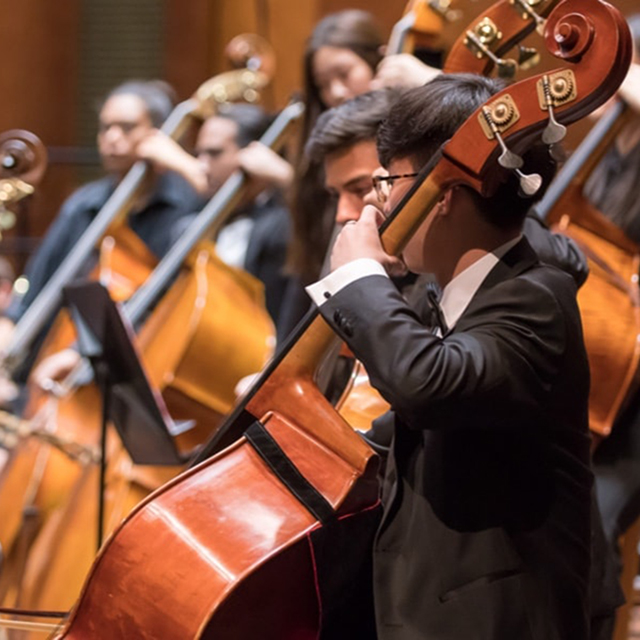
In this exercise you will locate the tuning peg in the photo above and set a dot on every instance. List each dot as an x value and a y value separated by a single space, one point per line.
506 68
443 9
9 162
480 38
558 153
508 159
554 132
528 11
528 57
529 184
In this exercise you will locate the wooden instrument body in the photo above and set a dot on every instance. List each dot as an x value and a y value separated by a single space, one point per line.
359 403
609 304
235 500
210 330
35 473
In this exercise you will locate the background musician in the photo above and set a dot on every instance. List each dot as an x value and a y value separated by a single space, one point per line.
129 113
344 58
256 237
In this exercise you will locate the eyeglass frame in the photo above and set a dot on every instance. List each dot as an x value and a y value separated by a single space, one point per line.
379 180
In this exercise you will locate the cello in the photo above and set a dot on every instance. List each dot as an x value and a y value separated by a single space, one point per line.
259 522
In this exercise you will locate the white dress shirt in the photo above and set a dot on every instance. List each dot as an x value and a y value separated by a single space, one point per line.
456 296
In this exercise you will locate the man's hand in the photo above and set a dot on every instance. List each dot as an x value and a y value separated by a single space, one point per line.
55 368
265 165
361 240
165 154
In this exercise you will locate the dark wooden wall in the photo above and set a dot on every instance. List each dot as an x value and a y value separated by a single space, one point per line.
48 88
39 86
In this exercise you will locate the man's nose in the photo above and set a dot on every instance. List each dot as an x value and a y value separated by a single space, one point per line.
348 209
372 199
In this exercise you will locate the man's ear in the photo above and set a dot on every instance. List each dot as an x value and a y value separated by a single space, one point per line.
443 207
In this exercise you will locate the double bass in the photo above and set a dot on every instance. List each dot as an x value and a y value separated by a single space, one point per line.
612 340
262 524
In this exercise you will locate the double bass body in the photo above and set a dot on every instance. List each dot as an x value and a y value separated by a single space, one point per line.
195 373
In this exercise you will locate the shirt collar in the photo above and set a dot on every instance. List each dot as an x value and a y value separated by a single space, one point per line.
457 295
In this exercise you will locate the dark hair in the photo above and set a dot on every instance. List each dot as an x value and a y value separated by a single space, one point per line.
352 29
157 95
351 122
424 118
252 121
311 208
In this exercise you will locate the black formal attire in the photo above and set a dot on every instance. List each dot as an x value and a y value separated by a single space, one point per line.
267 252
487 494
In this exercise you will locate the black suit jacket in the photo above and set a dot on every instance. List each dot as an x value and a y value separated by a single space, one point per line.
486 528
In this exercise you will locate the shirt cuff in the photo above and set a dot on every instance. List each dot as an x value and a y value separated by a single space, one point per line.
322 290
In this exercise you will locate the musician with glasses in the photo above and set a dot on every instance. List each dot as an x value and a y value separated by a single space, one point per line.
487 493
129 113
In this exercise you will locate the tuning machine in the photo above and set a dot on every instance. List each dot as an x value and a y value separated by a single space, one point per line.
527 9
554 91
481 38
496 118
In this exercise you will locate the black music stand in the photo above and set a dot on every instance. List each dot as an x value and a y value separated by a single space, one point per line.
136 409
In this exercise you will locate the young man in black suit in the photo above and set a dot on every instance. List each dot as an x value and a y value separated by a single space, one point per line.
487 493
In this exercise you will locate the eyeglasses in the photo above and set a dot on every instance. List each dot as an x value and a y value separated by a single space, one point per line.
384 184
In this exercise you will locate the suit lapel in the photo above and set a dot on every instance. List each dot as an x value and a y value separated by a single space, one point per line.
518 259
